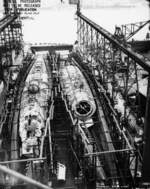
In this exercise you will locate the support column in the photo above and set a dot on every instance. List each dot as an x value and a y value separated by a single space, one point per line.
146 151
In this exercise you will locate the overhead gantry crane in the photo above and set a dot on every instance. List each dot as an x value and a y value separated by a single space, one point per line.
118 72
126 31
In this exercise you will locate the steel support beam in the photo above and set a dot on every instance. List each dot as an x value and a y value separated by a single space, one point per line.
146 154
52 47
7 20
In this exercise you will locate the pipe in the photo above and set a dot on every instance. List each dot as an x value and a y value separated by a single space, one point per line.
22 160
22 177
50 134
107 152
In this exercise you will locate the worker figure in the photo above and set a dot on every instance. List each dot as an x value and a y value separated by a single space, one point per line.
76 46
148 35
81 86
2 77
29 120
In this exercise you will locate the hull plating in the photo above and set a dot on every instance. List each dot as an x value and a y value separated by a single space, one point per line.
77 92
34 108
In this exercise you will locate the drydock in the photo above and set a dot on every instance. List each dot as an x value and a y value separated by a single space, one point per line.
73 120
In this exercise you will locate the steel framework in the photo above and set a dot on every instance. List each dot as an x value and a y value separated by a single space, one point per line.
119 72
10 6
10 33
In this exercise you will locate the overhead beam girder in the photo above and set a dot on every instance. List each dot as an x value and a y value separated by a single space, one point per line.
52 47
